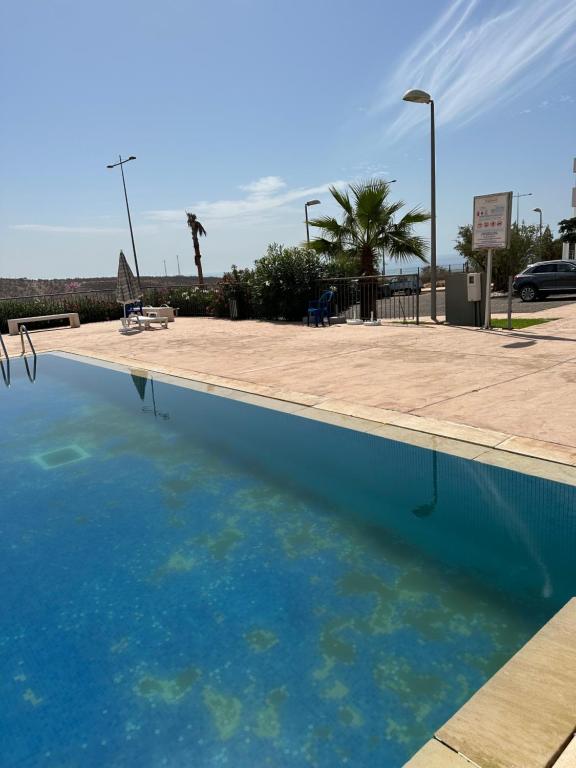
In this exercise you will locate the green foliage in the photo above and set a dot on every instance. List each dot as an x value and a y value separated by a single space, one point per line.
370 227
341 265
283 282
94 309
567 229
90 310
190 302
524 248
237 285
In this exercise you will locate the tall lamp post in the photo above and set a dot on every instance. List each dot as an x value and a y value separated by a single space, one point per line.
306 205
539 211
518 195
421 97
121 164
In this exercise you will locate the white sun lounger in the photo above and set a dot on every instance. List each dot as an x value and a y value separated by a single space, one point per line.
143 321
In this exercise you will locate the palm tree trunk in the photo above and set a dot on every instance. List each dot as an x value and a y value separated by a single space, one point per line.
197 258
368 284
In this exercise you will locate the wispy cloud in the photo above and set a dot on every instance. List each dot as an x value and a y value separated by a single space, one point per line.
61 229
472 59
264 196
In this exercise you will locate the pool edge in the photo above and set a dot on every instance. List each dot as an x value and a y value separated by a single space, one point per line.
546 460
524 716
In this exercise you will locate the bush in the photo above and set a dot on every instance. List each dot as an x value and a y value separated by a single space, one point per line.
190 302
90 310
236 284
284 281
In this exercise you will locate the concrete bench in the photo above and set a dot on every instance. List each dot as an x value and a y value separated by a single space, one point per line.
13 325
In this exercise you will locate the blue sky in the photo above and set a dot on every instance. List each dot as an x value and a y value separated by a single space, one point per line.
240 110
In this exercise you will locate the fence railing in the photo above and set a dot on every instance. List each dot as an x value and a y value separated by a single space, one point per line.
378 297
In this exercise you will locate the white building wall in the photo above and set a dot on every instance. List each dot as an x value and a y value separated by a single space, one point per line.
569 251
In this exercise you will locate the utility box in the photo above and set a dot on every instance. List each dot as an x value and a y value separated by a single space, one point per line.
474 284
464 297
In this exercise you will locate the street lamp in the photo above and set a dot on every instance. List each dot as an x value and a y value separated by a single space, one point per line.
310 202
421 97
539 211
121 164
518 195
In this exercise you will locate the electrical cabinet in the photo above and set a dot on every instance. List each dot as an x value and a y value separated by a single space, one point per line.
474 286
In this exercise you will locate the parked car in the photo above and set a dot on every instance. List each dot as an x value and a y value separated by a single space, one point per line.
405 285
545 278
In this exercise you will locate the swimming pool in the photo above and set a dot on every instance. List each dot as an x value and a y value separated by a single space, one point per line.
189 579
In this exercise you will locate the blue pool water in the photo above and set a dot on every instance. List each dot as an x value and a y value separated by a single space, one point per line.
189 580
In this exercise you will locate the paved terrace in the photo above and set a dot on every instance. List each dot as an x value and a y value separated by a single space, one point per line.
514 390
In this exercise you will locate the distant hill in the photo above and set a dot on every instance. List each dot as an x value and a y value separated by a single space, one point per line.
23 286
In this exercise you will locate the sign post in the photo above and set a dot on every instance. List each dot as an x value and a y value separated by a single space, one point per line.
490 231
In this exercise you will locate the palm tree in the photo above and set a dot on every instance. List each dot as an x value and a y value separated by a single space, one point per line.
197 231
368 230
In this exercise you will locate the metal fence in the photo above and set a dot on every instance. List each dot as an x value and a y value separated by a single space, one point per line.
378 297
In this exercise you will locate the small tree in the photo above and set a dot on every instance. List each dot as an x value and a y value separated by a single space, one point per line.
370 226
505 262
567 229
283 282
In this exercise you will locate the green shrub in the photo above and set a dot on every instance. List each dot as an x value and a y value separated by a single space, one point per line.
94 309
237 285
190 302
284 281
90 309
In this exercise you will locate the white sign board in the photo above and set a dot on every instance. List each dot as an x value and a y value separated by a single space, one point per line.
491 228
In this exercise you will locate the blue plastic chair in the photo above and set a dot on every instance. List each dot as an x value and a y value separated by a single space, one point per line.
320 309
133 307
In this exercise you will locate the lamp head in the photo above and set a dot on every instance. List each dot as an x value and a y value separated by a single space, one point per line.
109 166
132 157
537 210
418 97
313 202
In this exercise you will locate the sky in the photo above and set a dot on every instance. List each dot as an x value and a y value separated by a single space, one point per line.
241 110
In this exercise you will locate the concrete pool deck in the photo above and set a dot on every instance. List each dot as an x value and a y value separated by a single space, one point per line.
511 391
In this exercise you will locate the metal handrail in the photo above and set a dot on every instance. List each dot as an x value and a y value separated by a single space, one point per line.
31 374
5 372
6 355
24 330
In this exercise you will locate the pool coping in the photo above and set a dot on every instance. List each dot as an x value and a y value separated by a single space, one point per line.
525 715
550 461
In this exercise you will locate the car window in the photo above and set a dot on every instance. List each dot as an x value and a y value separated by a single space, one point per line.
544 268
566 267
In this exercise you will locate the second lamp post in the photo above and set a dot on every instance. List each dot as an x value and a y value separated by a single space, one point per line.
421 97
121 164
310 202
